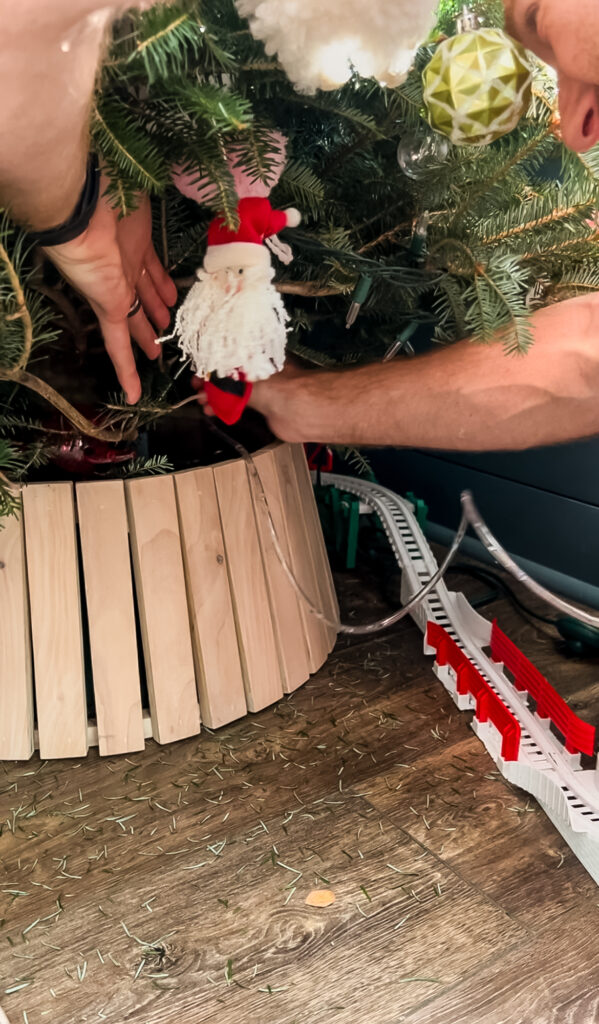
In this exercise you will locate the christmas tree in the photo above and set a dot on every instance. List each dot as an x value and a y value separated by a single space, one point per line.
447 242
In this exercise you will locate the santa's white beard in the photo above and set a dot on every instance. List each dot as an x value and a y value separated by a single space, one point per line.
232 323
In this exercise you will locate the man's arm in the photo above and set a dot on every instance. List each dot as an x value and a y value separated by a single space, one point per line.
48 61
466 397
49 54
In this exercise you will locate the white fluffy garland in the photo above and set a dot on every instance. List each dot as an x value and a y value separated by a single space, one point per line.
316 41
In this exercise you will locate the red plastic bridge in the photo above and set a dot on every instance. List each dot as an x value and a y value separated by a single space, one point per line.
489 705
579 736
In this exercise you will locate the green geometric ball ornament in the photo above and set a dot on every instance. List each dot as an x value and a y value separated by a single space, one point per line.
477 86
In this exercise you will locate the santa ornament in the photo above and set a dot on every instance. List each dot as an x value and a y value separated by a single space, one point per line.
233 325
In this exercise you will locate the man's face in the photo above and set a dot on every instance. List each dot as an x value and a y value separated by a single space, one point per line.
565 33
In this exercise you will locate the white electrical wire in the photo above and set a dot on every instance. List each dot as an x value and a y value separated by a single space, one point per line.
380 624
341 627
470 517
501 556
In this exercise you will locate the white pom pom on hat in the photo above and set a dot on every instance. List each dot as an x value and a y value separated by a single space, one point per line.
294 217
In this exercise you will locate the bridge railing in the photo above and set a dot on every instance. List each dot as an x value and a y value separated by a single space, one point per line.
579 736
489 706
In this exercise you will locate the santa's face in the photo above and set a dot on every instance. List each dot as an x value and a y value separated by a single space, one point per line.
233 320
234 279
229 279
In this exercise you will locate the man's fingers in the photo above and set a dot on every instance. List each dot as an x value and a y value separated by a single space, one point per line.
118 346
152 303
144 334
163 283
197 384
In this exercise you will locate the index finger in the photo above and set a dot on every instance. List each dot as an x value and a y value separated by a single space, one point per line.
118 346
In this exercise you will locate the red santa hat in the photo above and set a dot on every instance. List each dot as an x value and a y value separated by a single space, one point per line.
245 247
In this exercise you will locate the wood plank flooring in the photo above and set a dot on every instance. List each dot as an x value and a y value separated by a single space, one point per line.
170 886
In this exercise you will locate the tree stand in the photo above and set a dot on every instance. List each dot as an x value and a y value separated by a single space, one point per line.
164 590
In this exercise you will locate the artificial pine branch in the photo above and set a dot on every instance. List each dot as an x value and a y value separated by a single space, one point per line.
21 307
133 159
165 41
11 464
85 426
302 188
154 465
20 312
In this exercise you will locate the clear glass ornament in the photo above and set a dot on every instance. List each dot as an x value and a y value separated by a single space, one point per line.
421 152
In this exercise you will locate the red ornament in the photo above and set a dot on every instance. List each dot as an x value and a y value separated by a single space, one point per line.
86 456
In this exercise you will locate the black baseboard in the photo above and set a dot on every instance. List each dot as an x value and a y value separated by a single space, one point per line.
542 506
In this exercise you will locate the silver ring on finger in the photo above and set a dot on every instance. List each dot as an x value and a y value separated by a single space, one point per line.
135 307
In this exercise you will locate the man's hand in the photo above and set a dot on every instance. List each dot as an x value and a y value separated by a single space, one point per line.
110 263
461 398
285 400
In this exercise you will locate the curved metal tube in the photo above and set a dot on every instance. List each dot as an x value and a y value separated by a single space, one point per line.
492 545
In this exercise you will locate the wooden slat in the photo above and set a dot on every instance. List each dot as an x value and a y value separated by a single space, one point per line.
301 556
53 575
318 549
291 638
216 651
162 602
109 591
16 680
258 649
92 729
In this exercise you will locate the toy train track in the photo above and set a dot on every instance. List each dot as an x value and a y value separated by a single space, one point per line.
535 739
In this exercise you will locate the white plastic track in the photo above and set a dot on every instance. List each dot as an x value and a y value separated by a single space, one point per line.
568 794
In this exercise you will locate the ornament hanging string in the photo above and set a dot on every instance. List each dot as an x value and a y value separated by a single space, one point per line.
470 517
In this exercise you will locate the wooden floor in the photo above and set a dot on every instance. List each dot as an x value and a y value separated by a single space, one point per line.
171 886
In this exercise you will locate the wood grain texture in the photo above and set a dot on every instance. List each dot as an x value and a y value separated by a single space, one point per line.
324 577
554 982
210 847
53 576
16 680
216 651
302 560
257 644
162 602
319 964
104 536
291 639
450 798
92 729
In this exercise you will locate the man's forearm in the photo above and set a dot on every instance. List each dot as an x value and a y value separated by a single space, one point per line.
49 54
467 397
